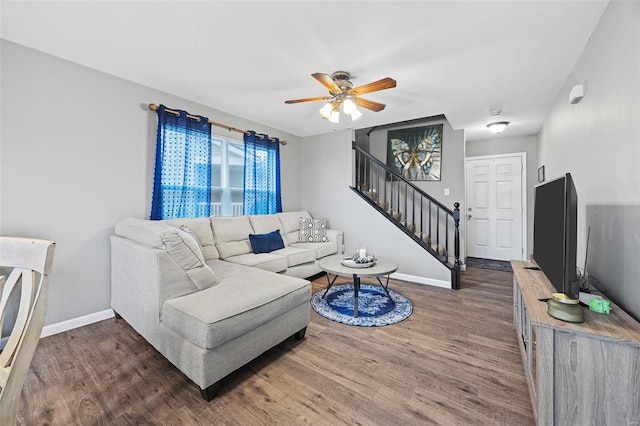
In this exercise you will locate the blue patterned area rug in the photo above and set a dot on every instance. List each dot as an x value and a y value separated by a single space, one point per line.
374 307
496 265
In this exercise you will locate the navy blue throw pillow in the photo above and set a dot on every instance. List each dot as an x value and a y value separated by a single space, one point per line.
265 243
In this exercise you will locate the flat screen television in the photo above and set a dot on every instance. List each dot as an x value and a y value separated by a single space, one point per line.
555 233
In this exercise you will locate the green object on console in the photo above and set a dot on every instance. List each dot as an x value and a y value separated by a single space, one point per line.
600 305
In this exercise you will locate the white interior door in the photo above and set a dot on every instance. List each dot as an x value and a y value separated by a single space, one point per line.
495 206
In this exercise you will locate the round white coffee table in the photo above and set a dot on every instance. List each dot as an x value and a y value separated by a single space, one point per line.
332 266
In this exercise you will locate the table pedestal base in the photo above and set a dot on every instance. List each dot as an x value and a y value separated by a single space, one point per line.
356 289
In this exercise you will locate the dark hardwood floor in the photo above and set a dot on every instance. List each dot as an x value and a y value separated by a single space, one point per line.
454 361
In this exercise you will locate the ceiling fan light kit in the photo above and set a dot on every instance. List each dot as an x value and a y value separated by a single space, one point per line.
335 116
355 115
343 94
348 106
326 110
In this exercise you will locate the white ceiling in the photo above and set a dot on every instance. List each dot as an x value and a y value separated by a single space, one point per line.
461 59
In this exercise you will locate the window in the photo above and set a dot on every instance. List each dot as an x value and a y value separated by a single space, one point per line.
227 177
197 174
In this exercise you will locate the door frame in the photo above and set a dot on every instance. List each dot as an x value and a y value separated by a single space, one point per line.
523 195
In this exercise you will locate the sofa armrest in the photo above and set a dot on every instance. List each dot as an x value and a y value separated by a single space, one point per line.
338 237
142 231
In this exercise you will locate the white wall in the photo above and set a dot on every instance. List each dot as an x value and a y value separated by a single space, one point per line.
598 142
510 145
327 175
77 154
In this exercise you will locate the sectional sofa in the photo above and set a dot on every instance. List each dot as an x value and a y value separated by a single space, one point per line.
196 290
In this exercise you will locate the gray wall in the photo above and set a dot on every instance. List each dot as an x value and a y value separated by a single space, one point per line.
78 147
510 145
327 163
598 142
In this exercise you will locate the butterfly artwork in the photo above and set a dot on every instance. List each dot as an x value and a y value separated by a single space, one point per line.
415 153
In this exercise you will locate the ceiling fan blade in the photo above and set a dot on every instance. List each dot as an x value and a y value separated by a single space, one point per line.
326 81
371 105
317 98
385 83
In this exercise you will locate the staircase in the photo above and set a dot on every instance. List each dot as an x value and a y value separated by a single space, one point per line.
425 220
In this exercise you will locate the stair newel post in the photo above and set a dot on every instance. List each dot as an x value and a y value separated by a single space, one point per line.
455 272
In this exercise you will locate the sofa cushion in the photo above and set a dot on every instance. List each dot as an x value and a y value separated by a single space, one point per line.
267 261
291 220
184 249
291 225
201 227
232 235
244 299
296 256
320 249
266 243
265 223
312 230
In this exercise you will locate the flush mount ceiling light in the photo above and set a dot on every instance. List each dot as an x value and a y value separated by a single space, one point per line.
344 95
497 126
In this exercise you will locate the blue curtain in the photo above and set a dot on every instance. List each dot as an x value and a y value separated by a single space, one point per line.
261 175
182 179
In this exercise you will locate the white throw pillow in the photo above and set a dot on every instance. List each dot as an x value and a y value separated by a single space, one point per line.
188 230
184 249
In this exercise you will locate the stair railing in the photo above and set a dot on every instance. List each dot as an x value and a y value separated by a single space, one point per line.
423 218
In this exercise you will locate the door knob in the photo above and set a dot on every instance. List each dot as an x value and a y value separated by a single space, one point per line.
468 216
469 209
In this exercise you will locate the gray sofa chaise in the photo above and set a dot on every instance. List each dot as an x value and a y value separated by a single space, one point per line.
194 289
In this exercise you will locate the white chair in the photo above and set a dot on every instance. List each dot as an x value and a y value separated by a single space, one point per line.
28 262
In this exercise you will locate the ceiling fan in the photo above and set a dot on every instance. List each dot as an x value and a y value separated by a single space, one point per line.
342 93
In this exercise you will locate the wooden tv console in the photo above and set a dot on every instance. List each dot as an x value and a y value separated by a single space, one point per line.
578 374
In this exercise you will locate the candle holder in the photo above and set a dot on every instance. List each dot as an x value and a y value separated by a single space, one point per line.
362 252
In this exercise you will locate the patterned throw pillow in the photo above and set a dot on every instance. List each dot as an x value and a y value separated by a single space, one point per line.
312 230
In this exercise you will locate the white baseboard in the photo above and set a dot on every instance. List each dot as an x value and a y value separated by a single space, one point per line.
59 327
421 280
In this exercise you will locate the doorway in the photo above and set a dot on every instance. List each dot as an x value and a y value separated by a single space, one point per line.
496 206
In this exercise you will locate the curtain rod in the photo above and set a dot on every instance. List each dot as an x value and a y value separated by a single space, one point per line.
154 107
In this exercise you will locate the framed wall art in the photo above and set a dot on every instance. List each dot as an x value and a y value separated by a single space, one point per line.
416 153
